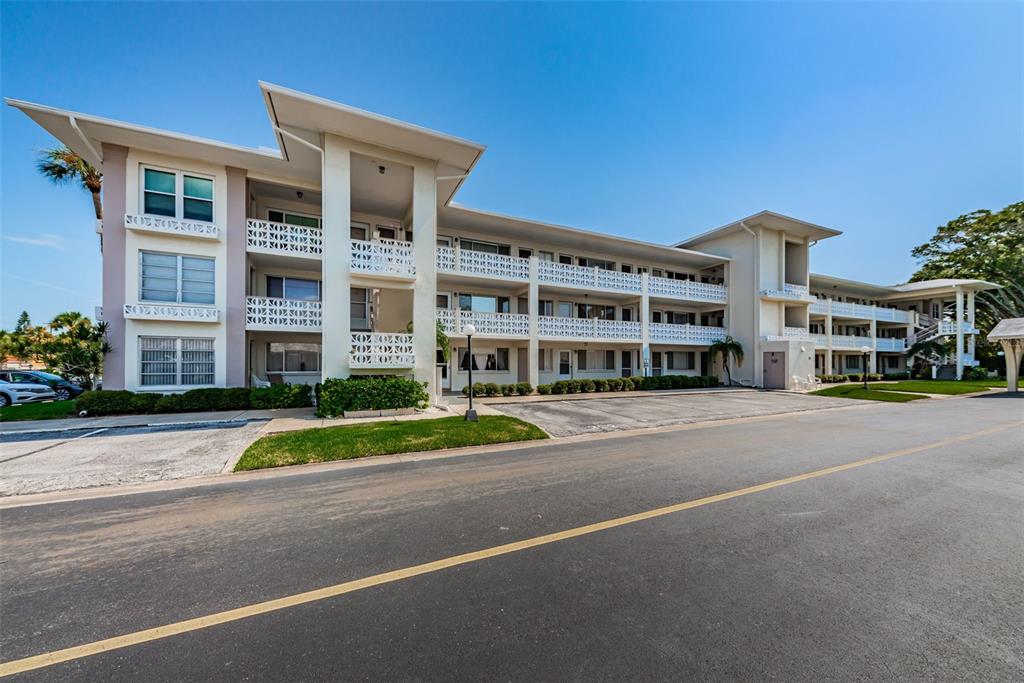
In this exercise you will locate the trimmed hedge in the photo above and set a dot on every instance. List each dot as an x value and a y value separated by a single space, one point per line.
202 400
855 377
586 386
492 389
282 396
974 373
99 403
120 402
369 393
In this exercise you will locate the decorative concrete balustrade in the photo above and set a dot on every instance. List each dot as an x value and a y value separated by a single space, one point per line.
279 238
789 292
506 325
171 312
266 313
383 257
846 309
687 289
165 225
583 277
790 334
699 335
482 264
554 327
381 350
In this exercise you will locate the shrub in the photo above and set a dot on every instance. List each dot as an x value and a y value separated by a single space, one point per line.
544 389
628 384
370 393
975 373
107 403
143 403
588 386
556 388
713 381
665 382
492 389
202 400
524 389
281 396
614 384
507 389
833 379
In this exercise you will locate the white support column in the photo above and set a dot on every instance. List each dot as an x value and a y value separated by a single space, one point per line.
645 324
828 339
959 333
424 295
336 337
873 358
970 320
534 309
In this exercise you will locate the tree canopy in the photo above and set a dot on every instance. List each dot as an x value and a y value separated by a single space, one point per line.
71 345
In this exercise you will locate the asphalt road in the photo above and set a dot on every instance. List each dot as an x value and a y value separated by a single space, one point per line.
905 567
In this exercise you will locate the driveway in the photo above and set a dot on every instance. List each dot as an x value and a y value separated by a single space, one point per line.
569 418
36 463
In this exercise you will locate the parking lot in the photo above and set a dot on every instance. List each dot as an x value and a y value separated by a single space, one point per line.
569 418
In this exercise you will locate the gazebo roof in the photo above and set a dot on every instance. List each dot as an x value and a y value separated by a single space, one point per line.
1009 328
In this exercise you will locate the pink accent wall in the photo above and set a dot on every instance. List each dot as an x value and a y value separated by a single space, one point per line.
115 162
236 374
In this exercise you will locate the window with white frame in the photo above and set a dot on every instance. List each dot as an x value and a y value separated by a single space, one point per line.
305 220
176 278
595 360
493 360
177 194
176 361
293 357
294 288
680 360
544 360
486 247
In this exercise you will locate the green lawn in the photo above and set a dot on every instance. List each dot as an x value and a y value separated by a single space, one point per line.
38 411
380 438
930 386
870 394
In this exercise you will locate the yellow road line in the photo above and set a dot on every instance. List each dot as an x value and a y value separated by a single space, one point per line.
146 635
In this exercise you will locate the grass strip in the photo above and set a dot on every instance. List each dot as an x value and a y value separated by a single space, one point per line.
870 394
932 386
38 411
381 438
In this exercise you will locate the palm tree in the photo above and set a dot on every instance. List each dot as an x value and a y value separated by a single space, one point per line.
62 166
725 348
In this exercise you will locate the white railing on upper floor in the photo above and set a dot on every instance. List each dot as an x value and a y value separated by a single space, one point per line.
686 289
172 226
383 257
279 238
587 277
846 309
555 327
173 312
486 324
701 335
481 263
892 345
266 313
381 350
789 291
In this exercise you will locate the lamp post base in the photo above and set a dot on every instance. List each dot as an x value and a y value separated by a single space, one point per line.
471 416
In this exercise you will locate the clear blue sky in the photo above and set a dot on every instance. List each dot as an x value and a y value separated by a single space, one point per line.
652 121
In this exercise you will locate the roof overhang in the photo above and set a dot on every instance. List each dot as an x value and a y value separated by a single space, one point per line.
926 289
765 219
571 239
828 282
1008 328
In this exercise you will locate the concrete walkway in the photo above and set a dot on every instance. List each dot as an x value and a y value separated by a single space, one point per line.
115 421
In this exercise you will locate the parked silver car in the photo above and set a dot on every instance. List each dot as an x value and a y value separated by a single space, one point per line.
23 392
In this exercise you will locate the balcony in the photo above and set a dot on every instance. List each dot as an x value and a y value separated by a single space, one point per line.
789 292
789 334
505 325
381 350
854 343
697 335
582 277
383 257
948 327
890 345
171 312
845 309
687 289
553 327
163 225
482 264
286 240
265 313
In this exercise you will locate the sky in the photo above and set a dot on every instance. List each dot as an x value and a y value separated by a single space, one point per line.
652 121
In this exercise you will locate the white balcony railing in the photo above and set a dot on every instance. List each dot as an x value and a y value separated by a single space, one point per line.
890 344
383 257
843 341
496 266
583 277
266 313
846 309
947 327
790 334
700 335
381 350
553 327
847 341
173 312
486 324
172 226
687 289
790 292
279 238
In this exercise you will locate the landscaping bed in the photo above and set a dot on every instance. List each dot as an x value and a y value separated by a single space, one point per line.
931 386
54 410
382 438
869 394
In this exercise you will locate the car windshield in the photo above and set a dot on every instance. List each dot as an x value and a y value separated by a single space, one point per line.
47 375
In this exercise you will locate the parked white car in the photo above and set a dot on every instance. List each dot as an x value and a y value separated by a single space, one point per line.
23 392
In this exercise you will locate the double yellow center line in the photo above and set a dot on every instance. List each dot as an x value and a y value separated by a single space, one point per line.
188 625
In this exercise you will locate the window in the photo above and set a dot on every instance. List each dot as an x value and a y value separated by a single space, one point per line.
564 363
359 308
444 241
487 304
546 256
293 288
627 313
523 305
581 360
359 231
545 307
626 268
543 360
656 363
676 318
177 195
176 278
293 357
171 361
853 362
291 218
441 300
892 362
595 311
386 232
679 360
627 363
486 247
564 309
595 263
565 258
655 316
493 360
525 253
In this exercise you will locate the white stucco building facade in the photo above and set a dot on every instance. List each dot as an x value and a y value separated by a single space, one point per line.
341 251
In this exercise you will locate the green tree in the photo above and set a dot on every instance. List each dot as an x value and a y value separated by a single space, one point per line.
20 343
74 347
62 166
726 348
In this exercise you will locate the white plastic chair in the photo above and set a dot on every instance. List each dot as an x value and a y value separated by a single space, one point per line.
257 383
813 381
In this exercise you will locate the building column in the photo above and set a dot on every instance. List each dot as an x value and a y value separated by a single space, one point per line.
970 321
235 271
645 325
424 247
828 340
873 358
115 168
336 334
959 333
533 345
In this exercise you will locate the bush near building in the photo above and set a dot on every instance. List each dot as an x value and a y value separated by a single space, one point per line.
336 395
100 403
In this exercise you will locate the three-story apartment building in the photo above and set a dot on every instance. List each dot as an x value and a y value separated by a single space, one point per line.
342 251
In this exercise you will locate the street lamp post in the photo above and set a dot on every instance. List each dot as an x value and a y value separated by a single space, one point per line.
865 350
469 331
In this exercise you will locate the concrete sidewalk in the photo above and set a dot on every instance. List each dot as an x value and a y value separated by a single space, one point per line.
114 421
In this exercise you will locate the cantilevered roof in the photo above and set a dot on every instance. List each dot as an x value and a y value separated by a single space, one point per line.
853 286
765 219
1008 328
910 290
572 239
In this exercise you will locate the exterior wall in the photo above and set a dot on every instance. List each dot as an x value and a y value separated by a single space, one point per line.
115 172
